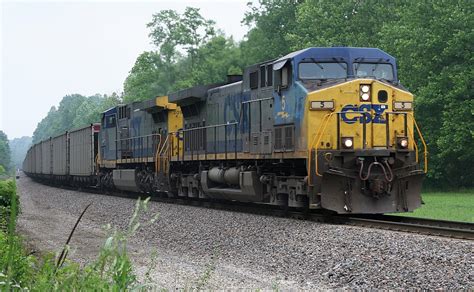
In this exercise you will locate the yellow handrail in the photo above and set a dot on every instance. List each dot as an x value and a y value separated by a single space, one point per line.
326 123
412 137
156 154
318 135
159 153
425 147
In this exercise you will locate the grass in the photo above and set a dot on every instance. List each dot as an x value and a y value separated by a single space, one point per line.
453 206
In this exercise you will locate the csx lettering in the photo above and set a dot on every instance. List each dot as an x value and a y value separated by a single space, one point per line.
352 118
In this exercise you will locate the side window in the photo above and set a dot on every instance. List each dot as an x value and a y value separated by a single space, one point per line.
266 76
269 75
284 76
158 117
263 81
110 121
254 80
190 110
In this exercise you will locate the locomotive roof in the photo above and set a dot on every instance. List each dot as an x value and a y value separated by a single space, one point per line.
111 110
347 54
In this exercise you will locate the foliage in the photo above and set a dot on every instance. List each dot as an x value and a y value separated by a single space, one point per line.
271 22
148 78
7 192
190 52
434 41
8 200
74 111
111 271
171 31
19 147
4 152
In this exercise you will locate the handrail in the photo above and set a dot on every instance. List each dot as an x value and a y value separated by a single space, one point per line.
327 116
165 144
159 153
206 127
204 148
133 145
412 136
425 147
317 143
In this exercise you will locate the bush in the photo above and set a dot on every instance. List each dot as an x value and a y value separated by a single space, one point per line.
7 195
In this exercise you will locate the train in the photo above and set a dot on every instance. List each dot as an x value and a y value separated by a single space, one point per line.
328 129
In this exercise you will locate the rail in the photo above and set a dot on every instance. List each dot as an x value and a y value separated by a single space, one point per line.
192 143
453 229
325 122
138 148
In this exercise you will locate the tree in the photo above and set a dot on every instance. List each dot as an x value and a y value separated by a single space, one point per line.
156 73
433 42
171 31
4 152
19 147
89 111
270 24
148 78
74 111
215 60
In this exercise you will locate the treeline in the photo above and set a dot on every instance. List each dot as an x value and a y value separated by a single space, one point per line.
18 149
432 41
74 111
5 155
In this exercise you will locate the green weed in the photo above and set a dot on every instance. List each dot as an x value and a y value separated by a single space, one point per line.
111 271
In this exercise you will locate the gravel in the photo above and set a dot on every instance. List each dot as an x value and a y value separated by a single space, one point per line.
219 249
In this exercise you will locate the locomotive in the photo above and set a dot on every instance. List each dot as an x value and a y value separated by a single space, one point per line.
320 128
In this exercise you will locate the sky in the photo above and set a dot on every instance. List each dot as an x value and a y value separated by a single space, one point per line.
52 49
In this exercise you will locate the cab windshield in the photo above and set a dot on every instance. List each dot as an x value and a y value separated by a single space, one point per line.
322 70
376 70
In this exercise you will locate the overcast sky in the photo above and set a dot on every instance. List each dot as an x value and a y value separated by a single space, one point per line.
51 49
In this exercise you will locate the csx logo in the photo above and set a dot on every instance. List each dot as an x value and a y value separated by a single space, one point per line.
352 118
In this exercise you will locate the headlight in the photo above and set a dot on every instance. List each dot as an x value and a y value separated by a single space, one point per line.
364 91
347 142
403 142
403 106
322 105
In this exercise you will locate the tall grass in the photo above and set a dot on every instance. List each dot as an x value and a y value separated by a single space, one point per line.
112 270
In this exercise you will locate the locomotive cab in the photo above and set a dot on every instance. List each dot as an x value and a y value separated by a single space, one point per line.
357 126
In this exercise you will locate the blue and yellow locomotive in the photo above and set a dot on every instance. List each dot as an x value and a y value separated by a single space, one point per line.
320 128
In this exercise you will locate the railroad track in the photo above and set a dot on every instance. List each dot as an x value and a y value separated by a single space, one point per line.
453 229
442 228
